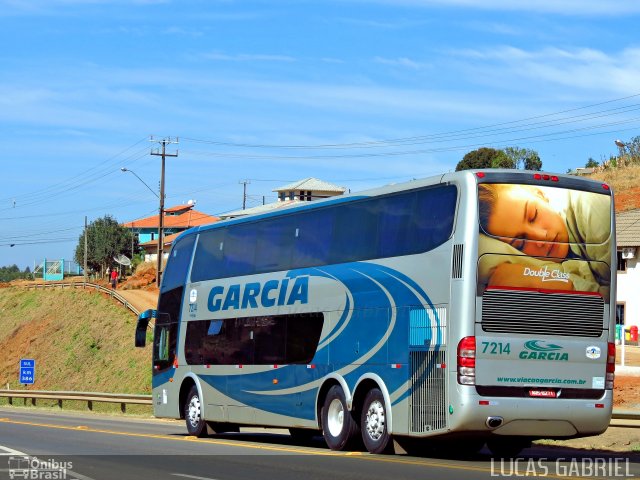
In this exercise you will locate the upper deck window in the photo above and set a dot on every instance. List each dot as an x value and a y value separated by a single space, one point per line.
392 225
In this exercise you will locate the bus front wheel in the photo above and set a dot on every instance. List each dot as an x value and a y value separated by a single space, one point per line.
196 426
339 428
373 423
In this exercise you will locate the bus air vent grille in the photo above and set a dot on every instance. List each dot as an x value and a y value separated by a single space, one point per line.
542 313
428 400
456 262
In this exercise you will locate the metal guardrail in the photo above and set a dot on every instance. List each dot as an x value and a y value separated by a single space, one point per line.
109 291
625 414
89 397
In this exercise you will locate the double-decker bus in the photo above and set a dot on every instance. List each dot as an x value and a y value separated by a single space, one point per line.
475 306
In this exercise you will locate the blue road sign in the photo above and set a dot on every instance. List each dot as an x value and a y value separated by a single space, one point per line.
27 371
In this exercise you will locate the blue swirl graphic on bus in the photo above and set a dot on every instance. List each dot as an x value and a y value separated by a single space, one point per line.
371 334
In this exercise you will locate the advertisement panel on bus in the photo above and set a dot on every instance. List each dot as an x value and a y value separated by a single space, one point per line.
544 237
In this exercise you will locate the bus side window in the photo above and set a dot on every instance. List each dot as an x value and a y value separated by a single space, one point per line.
175 272
208 260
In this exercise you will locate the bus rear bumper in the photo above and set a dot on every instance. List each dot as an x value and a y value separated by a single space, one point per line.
533 417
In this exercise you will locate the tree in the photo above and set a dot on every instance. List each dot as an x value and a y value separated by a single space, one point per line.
631 151
524 158
106 238
532 161
483 158
501 160
12 272
591 163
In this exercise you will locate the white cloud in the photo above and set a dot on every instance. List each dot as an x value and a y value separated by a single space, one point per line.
242 57
401 62
561 7
579 68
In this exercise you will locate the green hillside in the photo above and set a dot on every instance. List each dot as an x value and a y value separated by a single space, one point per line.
81 341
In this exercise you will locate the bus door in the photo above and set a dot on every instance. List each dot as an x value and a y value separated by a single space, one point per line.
165 340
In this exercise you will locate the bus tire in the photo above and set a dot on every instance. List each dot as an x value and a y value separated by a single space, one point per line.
373 423
507 447
339 428
196 426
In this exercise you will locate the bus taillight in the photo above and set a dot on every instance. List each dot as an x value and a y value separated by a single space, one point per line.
611 365
467 361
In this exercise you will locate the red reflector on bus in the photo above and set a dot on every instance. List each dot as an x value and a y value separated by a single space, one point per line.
605 186
599 405
396 365
238 366
311 366
275 366
483 402
480 174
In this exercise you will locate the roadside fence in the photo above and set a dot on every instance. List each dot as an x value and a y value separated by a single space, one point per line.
84 285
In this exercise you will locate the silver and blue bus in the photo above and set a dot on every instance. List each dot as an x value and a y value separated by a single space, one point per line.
476 306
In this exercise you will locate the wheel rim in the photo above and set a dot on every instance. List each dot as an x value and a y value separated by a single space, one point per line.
335 417
194 411
374 422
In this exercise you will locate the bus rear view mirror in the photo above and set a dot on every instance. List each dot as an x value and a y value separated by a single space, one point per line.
141 327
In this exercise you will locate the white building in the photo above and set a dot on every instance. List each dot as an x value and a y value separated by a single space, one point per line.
628 293
306 190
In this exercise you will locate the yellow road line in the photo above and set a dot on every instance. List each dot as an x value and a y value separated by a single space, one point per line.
229 443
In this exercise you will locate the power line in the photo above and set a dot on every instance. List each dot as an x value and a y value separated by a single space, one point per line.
531 139
81 175
456 133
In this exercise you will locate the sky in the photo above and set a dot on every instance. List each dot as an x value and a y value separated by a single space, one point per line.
357 93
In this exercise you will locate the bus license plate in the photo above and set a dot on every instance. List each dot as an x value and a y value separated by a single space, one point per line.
543 393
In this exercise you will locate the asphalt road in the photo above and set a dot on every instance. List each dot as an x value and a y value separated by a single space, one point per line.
42 444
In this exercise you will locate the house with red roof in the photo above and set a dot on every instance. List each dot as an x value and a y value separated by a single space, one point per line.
176 220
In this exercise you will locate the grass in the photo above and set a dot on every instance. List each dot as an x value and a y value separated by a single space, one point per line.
81 341
621 179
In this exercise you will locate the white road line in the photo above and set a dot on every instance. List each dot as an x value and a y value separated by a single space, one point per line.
192 476
10 451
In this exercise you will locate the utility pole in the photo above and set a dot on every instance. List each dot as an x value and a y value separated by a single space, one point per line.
163 142
244 192
85 248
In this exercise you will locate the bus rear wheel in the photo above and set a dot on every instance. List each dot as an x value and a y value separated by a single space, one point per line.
373 423
196 426
339 428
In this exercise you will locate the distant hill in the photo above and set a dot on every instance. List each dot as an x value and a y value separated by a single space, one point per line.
626 186
80 340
